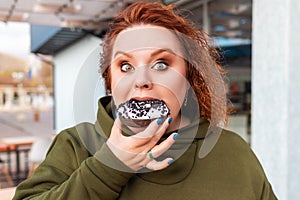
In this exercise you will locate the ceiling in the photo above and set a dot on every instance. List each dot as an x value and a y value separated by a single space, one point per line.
229 19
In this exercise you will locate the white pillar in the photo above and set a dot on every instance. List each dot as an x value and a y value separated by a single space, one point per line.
22 97
206 18
9 95
276 93
1 98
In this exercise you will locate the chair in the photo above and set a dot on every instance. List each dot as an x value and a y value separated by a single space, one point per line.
38 152
3 168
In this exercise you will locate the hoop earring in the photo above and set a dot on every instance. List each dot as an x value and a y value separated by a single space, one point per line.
185 101
108 92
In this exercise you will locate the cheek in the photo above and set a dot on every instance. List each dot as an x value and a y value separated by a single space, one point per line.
115 76
174 96
174 106
174 84
120 87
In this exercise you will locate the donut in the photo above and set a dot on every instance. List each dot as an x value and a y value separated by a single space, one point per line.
135 113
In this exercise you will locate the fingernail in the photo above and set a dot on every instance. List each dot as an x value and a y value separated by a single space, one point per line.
170 120
175 136
170 162
159 121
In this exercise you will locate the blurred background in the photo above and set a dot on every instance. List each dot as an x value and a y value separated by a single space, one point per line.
46 44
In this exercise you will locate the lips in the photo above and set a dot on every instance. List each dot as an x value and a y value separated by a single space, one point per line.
143 98
140 112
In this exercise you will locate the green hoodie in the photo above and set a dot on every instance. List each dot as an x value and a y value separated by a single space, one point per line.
72 171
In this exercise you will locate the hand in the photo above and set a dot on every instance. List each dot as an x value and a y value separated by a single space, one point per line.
133 150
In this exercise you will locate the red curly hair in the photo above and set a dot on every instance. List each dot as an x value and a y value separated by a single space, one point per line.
204 73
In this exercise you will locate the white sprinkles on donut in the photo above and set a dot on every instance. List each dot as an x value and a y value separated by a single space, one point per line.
137 113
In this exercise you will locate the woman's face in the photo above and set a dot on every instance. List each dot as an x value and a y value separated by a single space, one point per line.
147 63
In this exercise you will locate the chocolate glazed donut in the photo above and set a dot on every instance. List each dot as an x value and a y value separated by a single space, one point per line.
136 113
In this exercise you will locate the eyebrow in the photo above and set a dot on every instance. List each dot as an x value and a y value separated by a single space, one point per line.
159 51
121 52
155 53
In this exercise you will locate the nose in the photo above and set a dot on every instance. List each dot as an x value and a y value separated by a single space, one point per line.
143 79
143 85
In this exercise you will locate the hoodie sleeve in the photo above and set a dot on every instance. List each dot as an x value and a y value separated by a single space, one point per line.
69 172
267 192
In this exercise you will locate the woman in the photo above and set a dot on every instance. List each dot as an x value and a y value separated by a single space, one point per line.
151 56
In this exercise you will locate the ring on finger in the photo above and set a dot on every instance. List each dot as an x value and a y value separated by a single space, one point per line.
150 154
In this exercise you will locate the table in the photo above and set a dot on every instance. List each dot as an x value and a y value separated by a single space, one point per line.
17 143
7 193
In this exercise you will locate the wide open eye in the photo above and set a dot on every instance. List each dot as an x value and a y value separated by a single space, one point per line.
160 66
126 67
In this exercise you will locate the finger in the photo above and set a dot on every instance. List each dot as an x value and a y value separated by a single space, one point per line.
150 131
159 165
158 150
153 133
161 131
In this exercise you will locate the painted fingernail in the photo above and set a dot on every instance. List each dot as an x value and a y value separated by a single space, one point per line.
159 121
170 162
175 136
170 120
